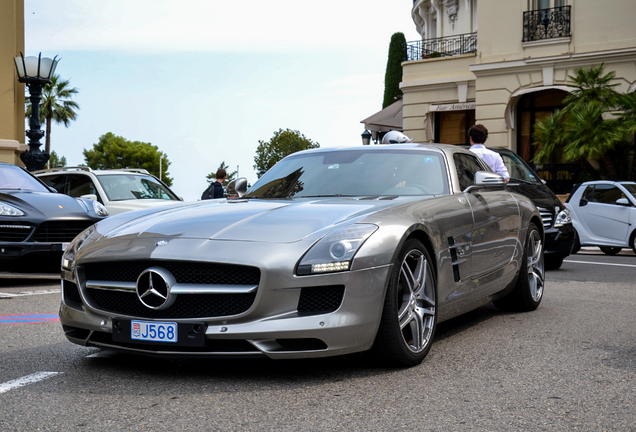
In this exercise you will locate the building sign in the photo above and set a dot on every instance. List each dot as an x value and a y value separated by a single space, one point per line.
454 107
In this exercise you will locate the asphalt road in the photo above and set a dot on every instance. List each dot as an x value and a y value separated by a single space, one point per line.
569 365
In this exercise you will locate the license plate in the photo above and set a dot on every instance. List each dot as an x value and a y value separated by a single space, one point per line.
153 331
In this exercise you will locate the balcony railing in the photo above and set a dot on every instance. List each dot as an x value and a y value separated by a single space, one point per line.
546 24
441 47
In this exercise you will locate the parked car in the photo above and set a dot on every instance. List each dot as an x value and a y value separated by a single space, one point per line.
332 251
119 190
36 223
559 232
604 215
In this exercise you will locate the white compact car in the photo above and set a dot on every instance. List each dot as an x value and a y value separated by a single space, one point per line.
119 190
604 214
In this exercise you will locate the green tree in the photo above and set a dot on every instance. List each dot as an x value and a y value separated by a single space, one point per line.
283 143
113 152
230 174
56 161
56 106
393 75
585 129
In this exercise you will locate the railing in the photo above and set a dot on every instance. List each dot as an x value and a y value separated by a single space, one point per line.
546 23
441 47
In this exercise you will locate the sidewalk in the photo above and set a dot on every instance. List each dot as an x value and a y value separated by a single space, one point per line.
596 250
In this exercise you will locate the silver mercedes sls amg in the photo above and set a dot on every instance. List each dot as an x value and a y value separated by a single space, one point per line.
332 251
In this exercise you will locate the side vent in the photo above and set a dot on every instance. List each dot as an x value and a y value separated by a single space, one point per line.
453 252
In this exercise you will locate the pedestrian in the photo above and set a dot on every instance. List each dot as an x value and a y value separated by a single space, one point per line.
215 190
478 134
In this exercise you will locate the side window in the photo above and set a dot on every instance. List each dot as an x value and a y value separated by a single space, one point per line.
57 182
588 194
607 194
467 166
80 185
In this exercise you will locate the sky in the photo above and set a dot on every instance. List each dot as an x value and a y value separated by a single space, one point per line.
206 80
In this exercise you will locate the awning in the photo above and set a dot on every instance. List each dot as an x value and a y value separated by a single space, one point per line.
390 118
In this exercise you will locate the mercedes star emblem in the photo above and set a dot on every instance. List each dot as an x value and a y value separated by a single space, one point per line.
153 288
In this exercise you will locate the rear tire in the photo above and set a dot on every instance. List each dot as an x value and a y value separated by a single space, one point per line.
528 291
610 250
409 316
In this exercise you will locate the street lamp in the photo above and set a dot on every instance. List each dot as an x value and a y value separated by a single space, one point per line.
366 137
35 72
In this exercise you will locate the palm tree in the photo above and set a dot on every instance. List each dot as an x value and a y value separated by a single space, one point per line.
580 130
56 105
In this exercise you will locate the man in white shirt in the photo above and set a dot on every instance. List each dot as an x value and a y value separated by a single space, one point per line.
478 135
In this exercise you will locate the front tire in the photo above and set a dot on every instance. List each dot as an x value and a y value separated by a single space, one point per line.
610 250
553 263
528 291
409 316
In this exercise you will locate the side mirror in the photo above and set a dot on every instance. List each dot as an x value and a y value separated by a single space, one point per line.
486 179
90 197
237 188
583 202
623 202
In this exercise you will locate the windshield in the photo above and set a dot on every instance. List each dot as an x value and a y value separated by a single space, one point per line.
354 173
119 187
13 177
517 169
631 188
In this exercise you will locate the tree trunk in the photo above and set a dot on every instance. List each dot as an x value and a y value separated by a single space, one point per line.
47 139
609 166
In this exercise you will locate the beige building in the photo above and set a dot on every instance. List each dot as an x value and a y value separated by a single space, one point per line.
12 122
505 64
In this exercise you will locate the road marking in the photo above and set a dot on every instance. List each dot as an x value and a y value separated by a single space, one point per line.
607 264
28 319
29 293
26 380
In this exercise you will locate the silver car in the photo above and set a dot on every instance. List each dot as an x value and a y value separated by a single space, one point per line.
332 251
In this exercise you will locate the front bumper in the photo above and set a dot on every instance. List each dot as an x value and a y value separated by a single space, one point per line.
271 327
559 241
34 255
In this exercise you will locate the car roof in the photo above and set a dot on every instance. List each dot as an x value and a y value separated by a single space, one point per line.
133 171
593 182
445 148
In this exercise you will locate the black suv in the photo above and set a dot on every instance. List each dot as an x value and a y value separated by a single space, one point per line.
559 232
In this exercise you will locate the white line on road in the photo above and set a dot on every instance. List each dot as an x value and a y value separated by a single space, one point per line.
608 264
26 380
29 293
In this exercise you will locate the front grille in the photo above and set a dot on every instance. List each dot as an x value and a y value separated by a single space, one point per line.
546 216
60 231
14 232
185 306
319 300
183 272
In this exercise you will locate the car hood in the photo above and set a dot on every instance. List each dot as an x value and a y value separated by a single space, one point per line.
280 221
540 195
43 204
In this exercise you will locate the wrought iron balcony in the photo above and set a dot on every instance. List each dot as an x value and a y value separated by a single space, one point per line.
546 23
441 47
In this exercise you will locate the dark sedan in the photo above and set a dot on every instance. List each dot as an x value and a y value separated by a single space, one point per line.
36 223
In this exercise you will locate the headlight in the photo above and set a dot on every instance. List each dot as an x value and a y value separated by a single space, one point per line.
99 208
68 259
334 252
562 218
9 210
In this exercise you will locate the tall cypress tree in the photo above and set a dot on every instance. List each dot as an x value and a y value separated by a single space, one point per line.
393 75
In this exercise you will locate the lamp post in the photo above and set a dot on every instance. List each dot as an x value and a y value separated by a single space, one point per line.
35 72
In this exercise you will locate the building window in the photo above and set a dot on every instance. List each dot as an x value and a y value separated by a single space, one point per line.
451 127
546 19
